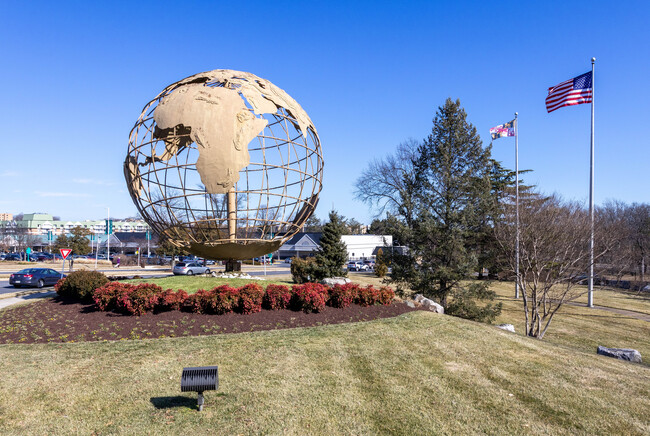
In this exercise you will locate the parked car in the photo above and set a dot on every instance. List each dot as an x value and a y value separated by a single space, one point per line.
369 263
190 268
12 256
288 260
357 266
38 277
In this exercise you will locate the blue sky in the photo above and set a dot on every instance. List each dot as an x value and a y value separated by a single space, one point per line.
76 75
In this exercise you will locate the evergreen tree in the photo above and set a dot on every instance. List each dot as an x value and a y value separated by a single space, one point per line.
76 241
332 253
381 269
452 199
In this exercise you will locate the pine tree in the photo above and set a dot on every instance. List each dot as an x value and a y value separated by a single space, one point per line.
332 253
453 196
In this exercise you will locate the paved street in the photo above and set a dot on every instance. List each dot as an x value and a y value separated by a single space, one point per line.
154 272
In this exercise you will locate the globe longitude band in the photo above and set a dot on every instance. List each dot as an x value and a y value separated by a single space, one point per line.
277 189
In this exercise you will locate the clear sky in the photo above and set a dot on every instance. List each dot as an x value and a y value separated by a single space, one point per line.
75 76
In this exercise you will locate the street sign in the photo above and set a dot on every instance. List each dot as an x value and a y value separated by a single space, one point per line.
65 252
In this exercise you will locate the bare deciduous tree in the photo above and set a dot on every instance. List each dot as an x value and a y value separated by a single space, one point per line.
554 254
387 184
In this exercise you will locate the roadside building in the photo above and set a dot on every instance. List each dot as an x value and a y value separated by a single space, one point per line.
359 247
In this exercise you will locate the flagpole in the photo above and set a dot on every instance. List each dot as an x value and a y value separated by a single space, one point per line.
517 205
590 297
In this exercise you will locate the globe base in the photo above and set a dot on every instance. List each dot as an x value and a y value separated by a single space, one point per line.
233 266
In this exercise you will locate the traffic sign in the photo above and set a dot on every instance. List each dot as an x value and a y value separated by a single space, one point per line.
65 252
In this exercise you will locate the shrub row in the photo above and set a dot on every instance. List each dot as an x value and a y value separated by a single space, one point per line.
251 298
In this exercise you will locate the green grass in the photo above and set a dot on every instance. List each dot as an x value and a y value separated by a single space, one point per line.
192 284
419 373
582 328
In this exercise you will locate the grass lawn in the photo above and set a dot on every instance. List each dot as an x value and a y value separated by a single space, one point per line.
419 373
192 284
582 328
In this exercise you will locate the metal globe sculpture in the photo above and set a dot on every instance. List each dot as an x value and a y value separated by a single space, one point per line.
225 165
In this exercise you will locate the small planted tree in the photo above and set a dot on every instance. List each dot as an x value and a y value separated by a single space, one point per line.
381 269
332 254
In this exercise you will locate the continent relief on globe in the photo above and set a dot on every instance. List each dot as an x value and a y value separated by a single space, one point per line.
220 124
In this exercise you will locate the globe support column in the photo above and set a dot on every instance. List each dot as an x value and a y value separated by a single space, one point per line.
232 265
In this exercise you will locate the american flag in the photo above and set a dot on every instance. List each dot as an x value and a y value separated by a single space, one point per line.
571 92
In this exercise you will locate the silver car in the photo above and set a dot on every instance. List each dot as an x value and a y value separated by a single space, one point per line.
190 268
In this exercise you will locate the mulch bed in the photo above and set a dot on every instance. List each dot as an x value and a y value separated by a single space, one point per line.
58 320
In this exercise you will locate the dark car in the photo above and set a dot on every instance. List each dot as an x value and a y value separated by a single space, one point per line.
12 256
38 277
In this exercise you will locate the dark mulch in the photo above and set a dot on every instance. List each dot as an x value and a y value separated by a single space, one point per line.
58 320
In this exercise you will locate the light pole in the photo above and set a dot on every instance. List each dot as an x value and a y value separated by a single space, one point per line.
108 234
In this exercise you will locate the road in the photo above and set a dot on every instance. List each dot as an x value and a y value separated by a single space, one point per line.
281 269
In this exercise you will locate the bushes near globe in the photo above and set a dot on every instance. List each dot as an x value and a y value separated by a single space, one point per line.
250 298
341 296
308 297
304 270
80 285
138 300
105 297
369 296
276 297
170 300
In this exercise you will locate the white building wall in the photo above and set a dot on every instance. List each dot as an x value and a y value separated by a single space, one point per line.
363 246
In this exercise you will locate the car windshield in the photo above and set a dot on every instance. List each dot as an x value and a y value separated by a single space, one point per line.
180 264
27 271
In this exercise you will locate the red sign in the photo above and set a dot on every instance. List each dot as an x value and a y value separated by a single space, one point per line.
65 252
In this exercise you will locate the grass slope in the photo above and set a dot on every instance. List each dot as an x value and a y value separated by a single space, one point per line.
419 373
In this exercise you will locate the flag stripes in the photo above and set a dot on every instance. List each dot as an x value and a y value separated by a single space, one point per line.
570 92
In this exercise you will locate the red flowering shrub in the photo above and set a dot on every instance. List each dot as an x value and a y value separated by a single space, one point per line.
341 296
197 302
170 300
386 295
368 296
250 298
139 300
309 297
222 299
105 297
276 297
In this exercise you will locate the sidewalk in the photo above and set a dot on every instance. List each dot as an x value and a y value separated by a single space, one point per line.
24 296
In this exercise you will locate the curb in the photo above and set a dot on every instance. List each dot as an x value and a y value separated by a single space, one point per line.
23 293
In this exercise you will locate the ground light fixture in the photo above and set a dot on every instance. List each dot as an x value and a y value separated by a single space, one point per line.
200 379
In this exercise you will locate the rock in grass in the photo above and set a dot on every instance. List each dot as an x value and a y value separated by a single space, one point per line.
331 281
410 304
508 327
429 304
620 353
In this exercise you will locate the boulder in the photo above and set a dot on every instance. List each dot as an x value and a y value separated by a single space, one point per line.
620 353
508 327
410 304
331 281
431 305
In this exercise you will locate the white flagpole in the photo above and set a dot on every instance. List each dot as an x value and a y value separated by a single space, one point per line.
517 205
590 297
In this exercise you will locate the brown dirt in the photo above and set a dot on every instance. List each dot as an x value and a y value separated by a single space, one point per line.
58 320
